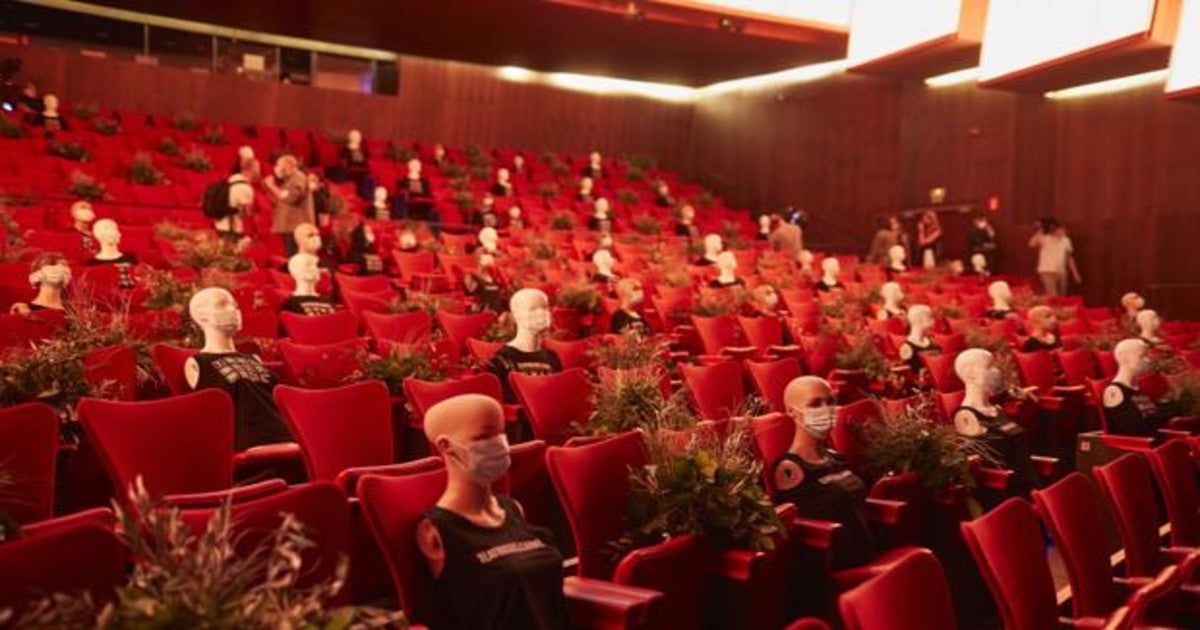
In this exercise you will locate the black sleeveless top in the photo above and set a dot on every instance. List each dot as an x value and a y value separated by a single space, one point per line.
1033 344
1136 415
249 383
509 359
911 353
830 491
623 320
307 305
1007 441
497 577
994 313
821 287
487 292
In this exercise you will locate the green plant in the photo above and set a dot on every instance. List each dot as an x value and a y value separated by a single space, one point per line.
648 225
165 291
10 129
70 151
397 154
579 296
86 186
186 122
206 251
710 487
548 190
214 136
629 351
168 146
725 302
635 174
476 157
85 111
401 363
1183 398
562 221
633 399
1165 361
106 126
703 199
454 171
464 199
503 329
863 354
640 161
627 195
143 171
197 160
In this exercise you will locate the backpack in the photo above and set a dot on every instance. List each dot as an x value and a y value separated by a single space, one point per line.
215 202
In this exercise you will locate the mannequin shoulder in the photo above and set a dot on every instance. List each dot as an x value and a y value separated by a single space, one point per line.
966 423
429 541
20 308
906 351
1113 396
191 371
788 474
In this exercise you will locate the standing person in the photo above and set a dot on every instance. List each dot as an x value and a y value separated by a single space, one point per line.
887 236
981 239
288 188
1056 257
929 239
787 238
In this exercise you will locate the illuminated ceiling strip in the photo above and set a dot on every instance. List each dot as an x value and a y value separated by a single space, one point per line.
1185 56
1112 85
802 74
214 30
834 14
970 75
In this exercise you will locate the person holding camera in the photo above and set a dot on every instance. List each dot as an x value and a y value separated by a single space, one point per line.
1056 257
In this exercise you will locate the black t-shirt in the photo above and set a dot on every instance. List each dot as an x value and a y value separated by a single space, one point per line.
250 384
1007 441
124 259
623 320
307 305
1135 415
704 262
497 577
1033 344
994 313
716 283
596 224
826 288
685 229
509 359
911 353
500 190
828 491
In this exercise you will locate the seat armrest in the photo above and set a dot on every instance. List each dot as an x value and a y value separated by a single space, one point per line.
348 479
599 604
813 533
100 516
737 564
887 512
994 478
236 494
1127 442
1045 466
267 452
1049 403
1062 391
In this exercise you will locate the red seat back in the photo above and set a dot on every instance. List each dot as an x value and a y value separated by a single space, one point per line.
591 480
76 556
339 428
716 389
554 403
425 394
363 284
1070 512
1077 366
1128 487
19 331
912 593
178 445
1007 546
28 450
112 370
393 507
407 328
771 378
459 328
848 435
322 365
1175 469
320 329
482 350
773 434
1037 370
940 367
762 332
717 332
572 352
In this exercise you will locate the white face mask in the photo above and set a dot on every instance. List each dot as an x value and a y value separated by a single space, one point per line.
771 299
819 421
637 296
993 380
537 320
56 275
485 460
315 241
228 321
86 215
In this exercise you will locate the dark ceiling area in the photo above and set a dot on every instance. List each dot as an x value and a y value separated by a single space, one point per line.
530 33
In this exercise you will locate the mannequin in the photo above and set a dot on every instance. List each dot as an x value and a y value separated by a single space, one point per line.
486 214
243 376
483 285
765 300
603 260
518 164
896 256
817 480
1127 410
416 192
830 270
662 196
308 239
627 318
1149 324
918 341
1042 330
687 214
50 118
594 168
1131 303
247 164
363 251
712 248
439 155
49 274
979 266
978 418
108 235
82 216
503 185
601 219
892 296
1001 296
530 309
354 140
354 159
520 588
407 241
764 227
806 259
514 217
381 208
587 191
489 240
726 266
305 300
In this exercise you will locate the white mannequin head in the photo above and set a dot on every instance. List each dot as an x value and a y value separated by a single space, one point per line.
107 234
603 260
518 162
687 214
1000 293
831 269
806 260
896 256
982 380
601 208
308 238
630 293
764 223
712 246
585 185
920 320
811 404
766 299
50 270
662 189
245 153
489 238
892 294
407 240
305 270
82 214
594 159
726 265
978 263
354 139
502 176
514 212
1042 320
1132 361
50 104
216 312
380 197
1148 323
1132 303
530 310
414 169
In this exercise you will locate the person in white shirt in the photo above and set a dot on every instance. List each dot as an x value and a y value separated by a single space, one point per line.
1056 257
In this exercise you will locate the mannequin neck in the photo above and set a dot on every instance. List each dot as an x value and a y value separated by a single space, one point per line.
489 246
526 340
628 306
1148 333
897 265
829 279
806 446
1125 376
976 397
726 276
604 270
217 342
919 335
108 251
305 288
711 254
463 496
1000 304
49 296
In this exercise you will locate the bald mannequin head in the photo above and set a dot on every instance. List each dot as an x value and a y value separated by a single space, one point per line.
1132 302
354 139
806 391
999 291
107 232
726 263
811 404
603 259
766 298
920 317
970 364
892 293
82 213
831 267
308 238
530 310
305 270
712 246
488 237
215 309
1130 355
1041 319
896 255
629 291
1148 322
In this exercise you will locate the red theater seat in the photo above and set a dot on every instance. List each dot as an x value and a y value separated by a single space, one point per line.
320 329
771 378
28 450
716 389
555 403
65 555
911 593
1175 469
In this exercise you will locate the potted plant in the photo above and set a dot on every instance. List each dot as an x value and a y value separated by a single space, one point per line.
86 187
143 171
